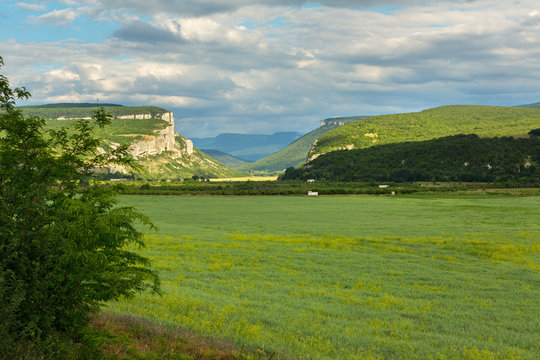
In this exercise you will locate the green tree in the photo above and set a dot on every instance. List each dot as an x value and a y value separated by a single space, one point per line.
63 247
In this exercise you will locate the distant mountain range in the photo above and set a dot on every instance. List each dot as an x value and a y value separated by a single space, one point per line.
535 105
249 147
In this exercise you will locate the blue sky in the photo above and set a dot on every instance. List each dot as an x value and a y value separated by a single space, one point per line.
260 66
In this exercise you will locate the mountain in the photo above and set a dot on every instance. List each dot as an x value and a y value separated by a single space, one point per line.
227 159
453 158
297 152
149 131
249 147
429 124
535 105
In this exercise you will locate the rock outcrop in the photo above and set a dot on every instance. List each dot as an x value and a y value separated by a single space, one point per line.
163 140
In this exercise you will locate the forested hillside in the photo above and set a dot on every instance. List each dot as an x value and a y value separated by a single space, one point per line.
454 158
429 124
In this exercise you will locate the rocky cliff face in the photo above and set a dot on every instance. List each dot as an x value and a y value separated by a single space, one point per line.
163 140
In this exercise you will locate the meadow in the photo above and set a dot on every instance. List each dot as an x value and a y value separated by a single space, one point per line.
349 277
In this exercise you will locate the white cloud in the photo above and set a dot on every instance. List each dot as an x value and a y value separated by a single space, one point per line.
31 7
313 63
58 17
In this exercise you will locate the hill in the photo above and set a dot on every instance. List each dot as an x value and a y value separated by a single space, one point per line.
70 105
249 147
297 152
535 105
149 132
84 110
429 124
454 158
226 159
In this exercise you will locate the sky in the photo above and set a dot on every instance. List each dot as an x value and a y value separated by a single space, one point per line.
263 66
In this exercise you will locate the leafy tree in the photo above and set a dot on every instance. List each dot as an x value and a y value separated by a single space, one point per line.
62 245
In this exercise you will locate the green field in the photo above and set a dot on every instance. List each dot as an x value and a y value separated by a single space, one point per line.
359 277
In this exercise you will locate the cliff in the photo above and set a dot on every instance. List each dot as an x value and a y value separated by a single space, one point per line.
163 140
149 132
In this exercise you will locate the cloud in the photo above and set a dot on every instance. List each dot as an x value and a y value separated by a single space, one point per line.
218 75
208 7
31 7
140 31
58 17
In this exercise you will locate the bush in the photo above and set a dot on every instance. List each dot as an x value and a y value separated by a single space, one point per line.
62 246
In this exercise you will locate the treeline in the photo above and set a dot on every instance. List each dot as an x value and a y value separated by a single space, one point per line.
253 188
71 105
301 188
53 112
467 158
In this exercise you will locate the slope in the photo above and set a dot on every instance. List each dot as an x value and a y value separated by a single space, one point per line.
453 158
297 152
534 105
226 159
429 124
149 131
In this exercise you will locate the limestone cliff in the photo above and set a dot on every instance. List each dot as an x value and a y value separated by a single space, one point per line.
167 154
160 151
163 140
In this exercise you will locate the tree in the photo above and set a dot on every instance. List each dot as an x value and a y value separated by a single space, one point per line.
62 246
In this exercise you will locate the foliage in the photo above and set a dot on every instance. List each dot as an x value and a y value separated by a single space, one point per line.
455 158
54 111
430 124
70 105
300 188
121 131
167 165
356 277
62 245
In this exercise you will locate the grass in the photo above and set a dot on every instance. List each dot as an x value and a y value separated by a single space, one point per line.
425 277
127 337
122 131
430 124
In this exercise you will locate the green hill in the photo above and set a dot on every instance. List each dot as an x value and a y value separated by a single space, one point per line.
227 159
454 158
70 110
161 152
429 124
535 105
296 153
